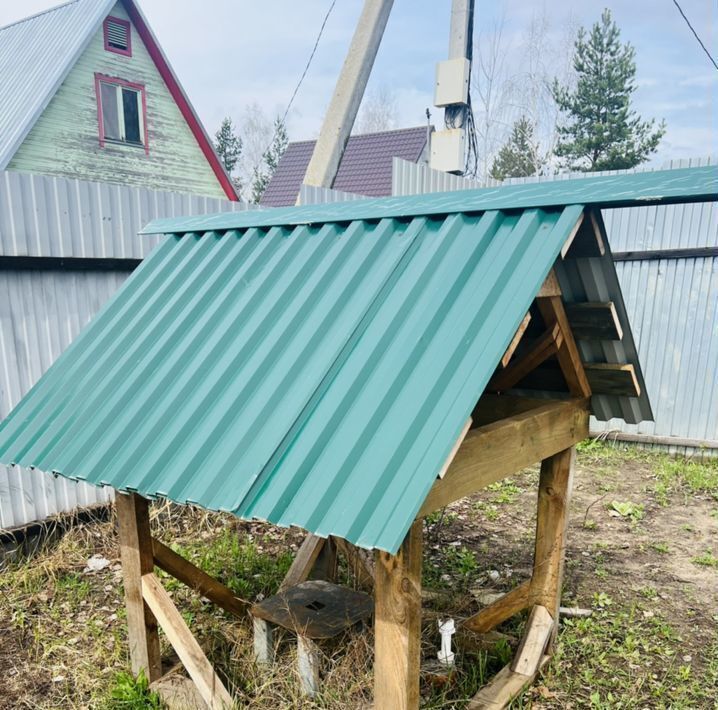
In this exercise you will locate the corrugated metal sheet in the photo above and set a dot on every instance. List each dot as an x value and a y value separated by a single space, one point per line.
312 195
41 311
315 376
663 186
410 178
36 54
49 216
672 304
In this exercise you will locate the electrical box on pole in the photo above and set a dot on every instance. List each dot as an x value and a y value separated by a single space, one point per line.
451 92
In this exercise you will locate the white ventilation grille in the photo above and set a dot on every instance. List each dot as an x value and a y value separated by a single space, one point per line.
117 34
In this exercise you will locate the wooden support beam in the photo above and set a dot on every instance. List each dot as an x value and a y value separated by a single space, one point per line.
325 566
578 227
504 687
187 573
455 448
551 522
303 562
516 340
550 286
569 359
133 522
613 379
308 665
594 321
361 566
184 643
495 450
397 625
493 407
534 641
546 346
499 611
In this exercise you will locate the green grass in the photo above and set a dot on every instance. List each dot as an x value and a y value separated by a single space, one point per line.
674 475
129 693
628 509
706 559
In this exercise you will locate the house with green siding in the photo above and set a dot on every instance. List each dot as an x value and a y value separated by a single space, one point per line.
86 92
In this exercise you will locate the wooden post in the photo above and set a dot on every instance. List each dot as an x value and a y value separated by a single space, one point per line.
397 625
325 566
552 518
136 552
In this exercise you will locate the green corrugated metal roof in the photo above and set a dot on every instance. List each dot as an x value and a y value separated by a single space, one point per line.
315 376
622 190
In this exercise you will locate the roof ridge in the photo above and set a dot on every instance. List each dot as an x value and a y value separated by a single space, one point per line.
38 14
363 135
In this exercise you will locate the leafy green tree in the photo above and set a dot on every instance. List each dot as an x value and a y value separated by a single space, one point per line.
602 131
519 156
263 173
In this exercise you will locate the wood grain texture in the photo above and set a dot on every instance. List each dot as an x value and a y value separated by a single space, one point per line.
303 562
516 340
187 573
397 625
615 379
133 522
552 518
499 611
495 450
594 321
360 563
504 687
208 684
535 639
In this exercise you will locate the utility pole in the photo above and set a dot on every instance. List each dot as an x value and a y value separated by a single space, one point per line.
448 146
348 94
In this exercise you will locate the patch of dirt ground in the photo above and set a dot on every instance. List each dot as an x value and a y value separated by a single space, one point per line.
642 555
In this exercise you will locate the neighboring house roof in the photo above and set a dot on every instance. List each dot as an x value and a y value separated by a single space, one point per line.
365 168
38 52
316 374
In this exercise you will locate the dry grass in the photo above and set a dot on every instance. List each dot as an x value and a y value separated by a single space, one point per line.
652 641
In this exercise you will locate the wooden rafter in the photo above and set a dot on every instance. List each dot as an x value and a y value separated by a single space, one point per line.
594 321
499 611
516 340
303 561
546 346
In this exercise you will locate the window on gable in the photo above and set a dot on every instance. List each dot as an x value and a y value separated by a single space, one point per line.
122 112
118 37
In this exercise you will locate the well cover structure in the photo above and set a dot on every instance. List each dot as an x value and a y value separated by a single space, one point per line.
348 369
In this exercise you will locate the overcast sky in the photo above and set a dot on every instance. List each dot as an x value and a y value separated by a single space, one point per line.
229 53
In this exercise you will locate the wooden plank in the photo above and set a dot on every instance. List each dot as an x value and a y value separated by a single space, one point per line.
492 407
504 687
455 448
325 567
569 359
535 639
588 240
303 562
550 286
133 523
187 573
308 664
572 236
495 450
177 692
614 379
361 565
547 345
499 611
316 608
516 340
551 521
397 625
180 637
594 321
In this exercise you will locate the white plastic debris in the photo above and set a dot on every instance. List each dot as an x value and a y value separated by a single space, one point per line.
447 629
96 563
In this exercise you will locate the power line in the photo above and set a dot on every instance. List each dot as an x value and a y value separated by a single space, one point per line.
301 78
695 34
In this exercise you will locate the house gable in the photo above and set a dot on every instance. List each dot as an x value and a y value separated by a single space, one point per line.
65 139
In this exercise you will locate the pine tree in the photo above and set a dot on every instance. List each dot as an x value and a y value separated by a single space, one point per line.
262 174
228 145
602 131
519 156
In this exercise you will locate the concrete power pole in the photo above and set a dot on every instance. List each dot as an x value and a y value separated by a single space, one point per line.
448 146
348 94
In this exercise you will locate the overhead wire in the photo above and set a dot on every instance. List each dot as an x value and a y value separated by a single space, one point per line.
695 34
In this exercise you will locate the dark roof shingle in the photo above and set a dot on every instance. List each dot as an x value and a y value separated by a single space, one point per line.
365 168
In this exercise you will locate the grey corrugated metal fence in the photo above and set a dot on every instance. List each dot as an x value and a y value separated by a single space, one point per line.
65 248
671 300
